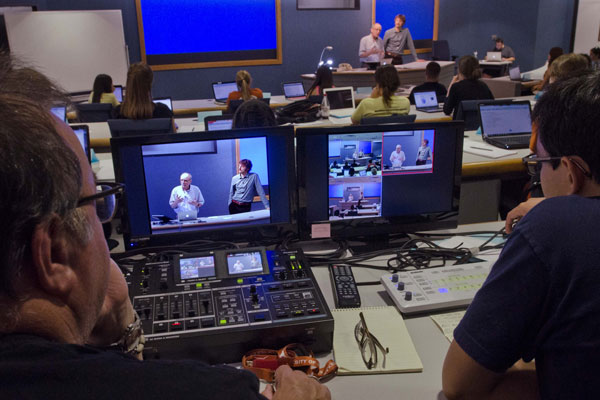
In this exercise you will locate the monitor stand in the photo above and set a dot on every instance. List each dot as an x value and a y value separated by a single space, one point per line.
367 244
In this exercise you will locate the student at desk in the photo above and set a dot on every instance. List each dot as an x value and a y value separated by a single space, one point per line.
466 85
243 81
323 80
103 91
541 299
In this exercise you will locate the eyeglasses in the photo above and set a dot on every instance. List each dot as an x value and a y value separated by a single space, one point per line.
368 344
106 200
534 164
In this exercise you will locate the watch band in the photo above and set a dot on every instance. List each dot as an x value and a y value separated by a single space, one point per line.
133 340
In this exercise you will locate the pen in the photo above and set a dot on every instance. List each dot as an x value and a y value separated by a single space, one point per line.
481 148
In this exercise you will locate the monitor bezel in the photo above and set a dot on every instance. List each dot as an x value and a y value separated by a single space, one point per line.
253 233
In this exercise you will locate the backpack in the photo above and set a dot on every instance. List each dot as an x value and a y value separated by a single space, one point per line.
297 112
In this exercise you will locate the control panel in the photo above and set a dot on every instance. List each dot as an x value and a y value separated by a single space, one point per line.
216 306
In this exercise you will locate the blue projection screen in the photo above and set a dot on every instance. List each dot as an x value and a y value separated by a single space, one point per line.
182 34
420 16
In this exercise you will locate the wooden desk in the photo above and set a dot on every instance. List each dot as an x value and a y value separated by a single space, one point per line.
410 74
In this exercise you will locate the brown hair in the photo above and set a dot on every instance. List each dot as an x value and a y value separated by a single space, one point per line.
243 81
138 102
468 66
568 66
388 81
402 17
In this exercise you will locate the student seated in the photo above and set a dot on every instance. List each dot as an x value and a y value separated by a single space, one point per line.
466 85
323 80
382 102
103 91
432 74
244 92
253 113
541 299
138 102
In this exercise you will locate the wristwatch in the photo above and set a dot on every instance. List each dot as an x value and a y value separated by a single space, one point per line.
133 340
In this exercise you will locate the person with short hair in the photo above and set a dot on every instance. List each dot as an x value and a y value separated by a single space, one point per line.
252 114
396 39
466 85
397 157
541 301
423 153
507 53
103 91
370 48
186 197
595 56
432 74
245 92
244 186
383 101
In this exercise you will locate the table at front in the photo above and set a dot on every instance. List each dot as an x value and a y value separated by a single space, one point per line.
410 74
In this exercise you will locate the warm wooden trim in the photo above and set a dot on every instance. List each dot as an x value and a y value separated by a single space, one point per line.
96 143
436 19
496 167
373 13
237 154
421 50
213 64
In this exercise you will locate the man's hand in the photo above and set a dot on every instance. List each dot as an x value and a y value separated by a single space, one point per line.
195 203
292 385
519 212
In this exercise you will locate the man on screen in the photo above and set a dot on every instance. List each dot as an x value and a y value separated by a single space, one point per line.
423 153
244 186
397 157
186 197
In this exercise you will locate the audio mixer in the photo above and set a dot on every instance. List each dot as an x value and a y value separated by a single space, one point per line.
217 305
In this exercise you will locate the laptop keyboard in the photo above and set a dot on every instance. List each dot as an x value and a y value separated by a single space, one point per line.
516 139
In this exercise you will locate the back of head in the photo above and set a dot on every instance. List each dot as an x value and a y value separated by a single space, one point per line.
568 66
595 52
386 77
468 66
323 79
138 102
568 119
554 53
432 70
243 81
102 84
253 113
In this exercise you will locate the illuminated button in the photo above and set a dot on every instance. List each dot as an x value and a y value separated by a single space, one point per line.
259 317
292 257
198 286
223 321
313 311
240 281
176 326
297 313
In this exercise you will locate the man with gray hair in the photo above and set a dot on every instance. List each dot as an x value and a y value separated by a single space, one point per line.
371 46
186 197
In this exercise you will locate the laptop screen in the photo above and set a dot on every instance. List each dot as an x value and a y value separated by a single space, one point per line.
60 112
164 100
505 119
222 89
218 124
119 93
293 89
425 99
340 98
494 56
82 133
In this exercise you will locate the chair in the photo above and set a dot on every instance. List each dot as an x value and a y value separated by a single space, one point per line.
392 119
503 87
142 127
94 112
468 111
440 51
234 104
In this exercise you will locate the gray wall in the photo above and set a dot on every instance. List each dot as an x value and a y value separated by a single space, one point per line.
530 27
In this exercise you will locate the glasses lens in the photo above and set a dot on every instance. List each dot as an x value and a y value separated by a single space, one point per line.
105 206
369 352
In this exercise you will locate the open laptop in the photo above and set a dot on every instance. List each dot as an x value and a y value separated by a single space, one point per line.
427 102
507 126
191 215
119 93
495 56
164 100
218 122
83 135
221 90
60 111
293 90
341 101
515 74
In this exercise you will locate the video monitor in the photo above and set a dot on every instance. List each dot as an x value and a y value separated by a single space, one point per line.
380 179
246 262
83 135
234 185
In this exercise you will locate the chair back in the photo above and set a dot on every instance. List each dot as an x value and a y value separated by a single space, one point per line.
234 104
392 119
468 111
94 112
440 50
142 127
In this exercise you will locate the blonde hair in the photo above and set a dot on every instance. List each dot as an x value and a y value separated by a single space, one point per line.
243 81
138 101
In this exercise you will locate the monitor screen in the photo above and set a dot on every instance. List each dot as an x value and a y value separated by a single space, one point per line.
293 89
164 100
83 135
119 93
505 119
374 180
168 175
340 98
218 124
60 112
425 99
222 89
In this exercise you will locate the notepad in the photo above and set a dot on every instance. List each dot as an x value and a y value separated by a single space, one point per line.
447 322
387 325
485 150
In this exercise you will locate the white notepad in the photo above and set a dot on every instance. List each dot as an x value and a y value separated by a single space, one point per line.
448 322
485 150
387 325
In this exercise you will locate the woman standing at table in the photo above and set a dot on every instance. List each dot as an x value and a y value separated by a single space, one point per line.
467 85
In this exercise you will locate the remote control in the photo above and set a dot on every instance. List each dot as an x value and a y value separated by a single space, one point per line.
345 292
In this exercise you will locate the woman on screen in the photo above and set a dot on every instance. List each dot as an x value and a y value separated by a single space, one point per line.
103 91
383 102
138 103
323 80
244 92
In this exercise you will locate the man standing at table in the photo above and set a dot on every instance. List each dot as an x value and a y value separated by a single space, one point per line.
396 39
186 197
371 46
397 157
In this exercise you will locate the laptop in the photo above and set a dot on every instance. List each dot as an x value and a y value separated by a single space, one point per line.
515 74
427 102
119 93
495 56
83 135
507 126
60 112
191 215
341 101
221 90
164 100
218 122
294 90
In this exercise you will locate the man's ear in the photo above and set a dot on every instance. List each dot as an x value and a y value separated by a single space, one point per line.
575 175
50 258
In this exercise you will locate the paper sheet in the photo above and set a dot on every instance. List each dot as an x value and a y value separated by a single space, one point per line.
485 150
448 322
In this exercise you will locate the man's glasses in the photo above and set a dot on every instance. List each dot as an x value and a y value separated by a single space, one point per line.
106 200
534 164
368 344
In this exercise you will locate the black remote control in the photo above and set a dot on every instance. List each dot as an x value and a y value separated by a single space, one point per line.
345 292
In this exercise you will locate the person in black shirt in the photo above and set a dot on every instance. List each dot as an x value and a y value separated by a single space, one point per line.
466 85
432 74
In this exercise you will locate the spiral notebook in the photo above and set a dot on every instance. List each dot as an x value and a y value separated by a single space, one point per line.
387 325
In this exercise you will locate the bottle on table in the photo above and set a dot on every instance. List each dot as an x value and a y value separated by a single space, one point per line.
324 107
